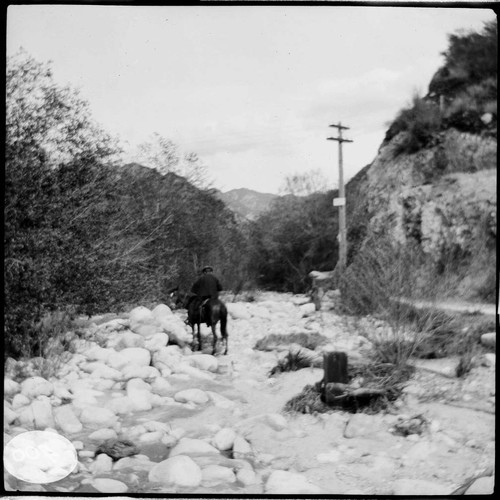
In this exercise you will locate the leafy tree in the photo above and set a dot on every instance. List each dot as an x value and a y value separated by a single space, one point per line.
83 234
305 184
163 155
297 235
46 126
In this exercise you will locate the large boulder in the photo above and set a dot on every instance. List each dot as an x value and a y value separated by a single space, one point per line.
19 401
162 313
177 331
224 439
42 413
203 362
66 419
107 485
177 470
10 387
94 416
144 372
217 474
103 434
127 339
169 356
161 386
121 406
36 386
242 448
9 415
136 356
188 446
139 392
143 322
97 353
156 342
193 372
282 482
238 311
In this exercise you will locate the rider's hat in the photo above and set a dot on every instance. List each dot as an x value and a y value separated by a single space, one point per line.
207 268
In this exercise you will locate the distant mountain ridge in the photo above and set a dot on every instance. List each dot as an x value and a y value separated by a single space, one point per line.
247 203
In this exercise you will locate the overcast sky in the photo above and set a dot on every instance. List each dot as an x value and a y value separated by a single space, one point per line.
251 89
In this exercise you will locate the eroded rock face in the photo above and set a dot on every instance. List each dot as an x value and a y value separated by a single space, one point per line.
442 198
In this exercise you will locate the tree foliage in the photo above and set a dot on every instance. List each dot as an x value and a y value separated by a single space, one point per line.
297 235
83 234
163 155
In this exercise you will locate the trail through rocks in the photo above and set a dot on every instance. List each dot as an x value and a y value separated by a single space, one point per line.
214 424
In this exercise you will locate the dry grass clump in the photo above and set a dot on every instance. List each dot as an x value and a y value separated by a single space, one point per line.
308 340
295 360
385 376
307 401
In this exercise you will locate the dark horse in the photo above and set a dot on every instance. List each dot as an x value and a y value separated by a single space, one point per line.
209 311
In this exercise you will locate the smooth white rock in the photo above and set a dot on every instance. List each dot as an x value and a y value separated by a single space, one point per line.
96 416
191 395
203 362
66 419
247 476
36 386
178 470
193 372
241 448
154 425
10 387
136 356
42 413
188 446
238 311
102 463
161 386
224 439
106 485
19 401
9 415
135 371
106 372
282 482
103 434
121 406
217 474
156 342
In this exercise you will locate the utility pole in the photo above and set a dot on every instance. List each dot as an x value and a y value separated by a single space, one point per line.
340 201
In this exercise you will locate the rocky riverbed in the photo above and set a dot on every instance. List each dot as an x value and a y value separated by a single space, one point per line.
202 424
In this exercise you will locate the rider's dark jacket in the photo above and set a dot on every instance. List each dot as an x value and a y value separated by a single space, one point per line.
207 286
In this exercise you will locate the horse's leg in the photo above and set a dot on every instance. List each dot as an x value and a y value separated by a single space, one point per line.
223 330
199 337
193 342
214 345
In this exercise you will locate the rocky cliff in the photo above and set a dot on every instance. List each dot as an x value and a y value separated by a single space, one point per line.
433 184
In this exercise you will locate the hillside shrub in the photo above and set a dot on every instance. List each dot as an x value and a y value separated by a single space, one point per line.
418 125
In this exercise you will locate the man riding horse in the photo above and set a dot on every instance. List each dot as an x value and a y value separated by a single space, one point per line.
207 286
